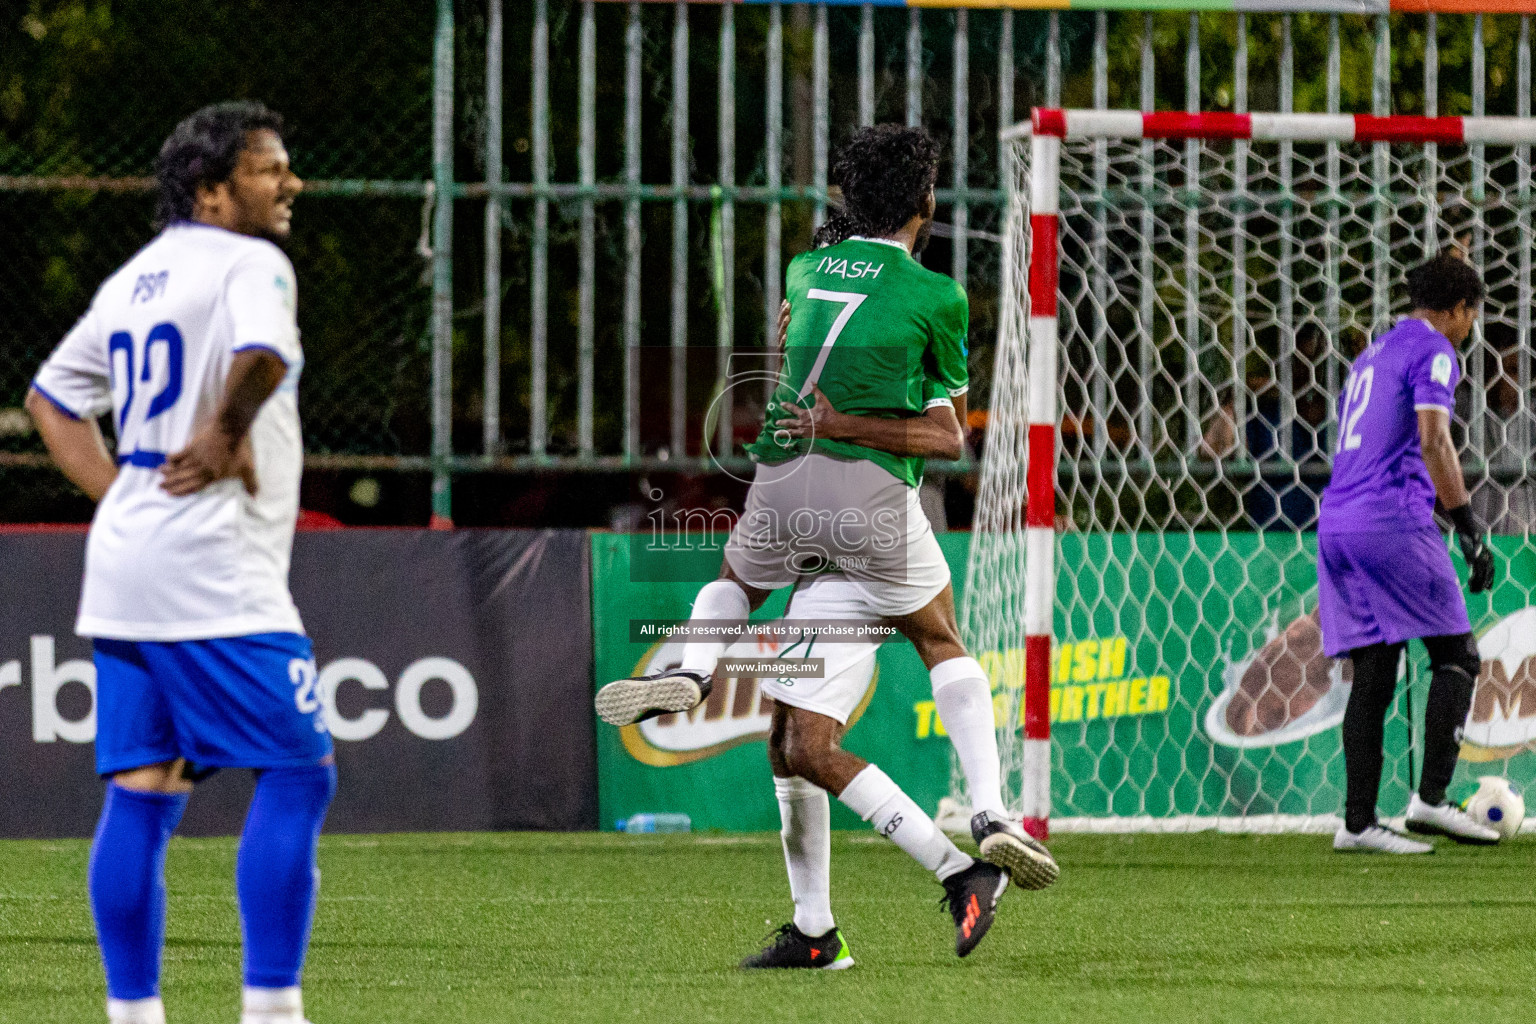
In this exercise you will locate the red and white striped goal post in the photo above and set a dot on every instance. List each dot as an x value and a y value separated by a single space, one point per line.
1046 130
1167 124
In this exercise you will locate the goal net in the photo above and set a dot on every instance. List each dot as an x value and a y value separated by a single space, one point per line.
1183 294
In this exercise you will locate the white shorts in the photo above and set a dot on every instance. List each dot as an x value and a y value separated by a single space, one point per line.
815 512
849 665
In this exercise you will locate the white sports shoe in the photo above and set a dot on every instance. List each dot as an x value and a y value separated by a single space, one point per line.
1376 840
953 816
136 1011
1003 842
1446 819
273 1006
628 701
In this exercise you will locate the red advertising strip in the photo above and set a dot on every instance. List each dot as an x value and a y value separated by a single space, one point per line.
1464 6
6 528
1339 6
1040 508
1405 128
1050 121
1037 687
1172 124
1043 271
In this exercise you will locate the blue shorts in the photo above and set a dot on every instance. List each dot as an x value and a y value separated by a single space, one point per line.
1384 588
235 702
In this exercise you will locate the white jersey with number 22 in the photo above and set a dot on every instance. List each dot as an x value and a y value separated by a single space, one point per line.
155 349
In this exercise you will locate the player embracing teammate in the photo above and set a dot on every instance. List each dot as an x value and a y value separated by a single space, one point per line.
1384 575
202 663
874 382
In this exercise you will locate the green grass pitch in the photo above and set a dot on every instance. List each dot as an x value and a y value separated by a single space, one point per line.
537 927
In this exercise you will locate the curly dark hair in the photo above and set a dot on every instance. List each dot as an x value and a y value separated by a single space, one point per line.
885 172
1443 281
203 150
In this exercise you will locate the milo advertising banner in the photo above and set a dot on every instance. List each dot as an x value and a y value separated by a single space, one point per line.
1187 681
713 763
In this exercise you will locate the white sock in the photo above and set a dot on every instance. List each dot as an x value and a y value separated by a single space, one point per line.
136 1011
875 798
272 1006
807 834
722 599
963 695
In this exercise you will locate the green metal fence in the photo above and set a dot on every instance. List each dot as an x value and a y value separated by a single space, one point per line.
90 92
535 234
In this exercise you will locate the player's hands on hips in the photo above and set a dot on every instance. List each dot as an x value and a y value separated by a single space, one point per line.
1474 548
783 324
820 420
211 455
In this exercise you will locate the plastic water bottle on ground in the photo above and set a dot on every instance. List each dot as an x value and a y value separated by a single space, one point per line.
644 823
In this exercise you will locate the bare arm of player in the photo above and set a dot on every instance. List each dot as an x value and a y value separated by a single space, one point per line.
935 434
962 417
222 448
76 445
1440 457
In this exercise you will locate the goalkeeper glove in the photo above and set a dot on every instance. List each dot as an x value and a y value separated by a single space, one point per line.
1474 548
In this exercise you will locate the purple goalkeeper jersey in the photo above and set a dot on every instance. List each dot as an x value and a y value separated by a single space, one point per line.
1379 481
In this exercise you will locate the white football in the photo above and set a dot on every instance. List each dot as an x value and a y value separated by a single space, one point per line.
1497 805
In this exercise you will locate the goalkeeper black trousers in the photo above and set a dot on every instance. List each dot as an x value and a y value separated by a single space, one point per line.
1454 665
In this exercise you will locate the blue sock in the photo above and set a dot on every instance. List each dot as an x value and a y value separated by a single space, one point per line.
275 875
127 885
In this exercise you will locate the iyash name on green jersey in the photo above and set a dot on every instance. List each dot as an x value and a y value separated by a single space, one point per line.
879 333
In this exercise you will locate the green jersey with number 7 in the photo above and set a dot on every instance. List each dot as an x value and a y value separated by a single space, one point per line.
879 333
